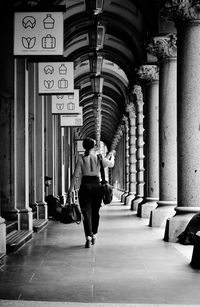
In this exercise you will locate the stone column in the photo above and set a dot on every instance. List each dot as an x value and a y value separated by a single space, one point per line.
164 47
54 134
32 135
132 153
57 167
67 157
6 124
139 147
118 139
123 197
59 161
150 74
187 18
48 143
7 206
21 146
39 158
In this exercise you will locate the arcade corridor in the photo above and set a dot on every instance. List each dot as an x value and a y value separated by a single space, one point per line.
130 264
125 73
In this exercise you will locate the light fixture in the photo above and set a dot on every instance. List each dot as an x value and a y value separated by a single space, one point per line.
96 63
99 64
97 99
98 7
97 84
100 37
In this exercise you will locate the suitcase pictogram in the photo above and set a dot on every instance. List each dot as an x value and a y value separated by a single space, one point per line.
71 106
48 42
62 83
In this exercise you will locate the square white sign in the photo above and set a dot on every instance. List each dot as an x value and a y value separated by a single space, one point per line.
74 120
66 104
56 77
38 33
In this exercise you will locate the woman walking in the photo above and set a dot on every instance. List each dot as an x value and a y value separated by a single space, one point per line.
88 171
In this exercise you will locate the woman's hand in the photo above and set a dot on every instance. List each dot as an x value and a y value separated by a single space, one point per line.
69 197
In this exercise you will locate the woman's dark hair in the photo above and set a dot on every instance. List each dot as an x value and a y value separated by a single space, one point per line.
88 144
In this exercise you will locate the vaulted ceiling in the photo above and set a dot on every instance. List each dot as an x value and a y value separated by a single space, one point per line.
106 41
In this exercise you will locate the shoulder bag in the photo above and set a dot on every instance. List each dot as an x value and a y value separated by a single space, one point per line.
106 188
71 213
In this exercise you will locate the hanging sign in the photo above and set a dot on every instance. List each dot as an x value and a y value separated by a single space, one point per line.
38 33
56 77
66 104
71 120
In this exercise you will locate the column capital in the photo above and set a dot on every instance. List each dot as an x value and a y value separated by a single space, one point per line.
130 108
124 119
164 46
149 73
181 9
137 90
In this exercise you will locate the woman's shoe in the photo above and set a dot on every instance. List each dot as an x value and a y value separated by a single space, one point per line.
93 239
88 242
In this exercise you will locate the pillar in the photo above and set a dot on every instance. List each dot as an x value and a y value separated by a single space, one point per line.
187 21
165 49
139 148
48 136
32 135
132 153
57 165
39 158
67 156
150 74
123 197
21 146
118 143
6 125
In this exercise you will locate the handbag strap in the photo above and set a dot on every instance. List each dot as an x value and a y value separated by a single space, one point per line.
101 168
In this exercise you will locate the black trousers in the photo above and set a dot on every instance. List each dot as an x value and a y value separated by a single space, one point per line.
90 202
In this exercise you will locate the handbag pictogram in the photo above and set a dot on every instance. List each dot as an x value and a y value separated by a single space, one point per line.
62 83
71 106
48 42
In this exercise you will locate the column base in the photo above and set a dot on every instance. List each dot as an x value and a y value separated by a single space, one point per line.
25 219
145 208
2 236
135 203
128 199
42 210
118 194
175 225
159 216
10 215
123 197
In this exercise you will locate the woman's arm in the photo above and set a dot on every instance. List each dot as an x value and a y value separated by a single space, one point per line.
109 160
75 175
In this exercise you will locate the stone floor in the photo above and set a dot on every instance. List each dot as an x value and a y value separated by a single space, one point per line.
130 264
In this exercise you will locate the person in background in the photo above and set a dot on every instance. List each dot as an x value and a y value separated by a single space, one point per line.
87 169
47 183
